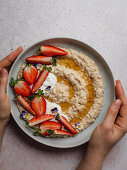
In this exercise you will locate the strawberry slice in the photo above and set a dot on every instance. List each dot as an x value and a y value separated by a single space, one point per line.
40 119
66 124
39 59
23 102
39 105
62 132
49 50
30 74
49 125
21 87
41 78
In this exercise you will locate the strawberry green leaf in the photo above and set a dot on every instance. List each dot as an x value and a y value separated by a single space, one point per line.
54 63
12 82
49 69
38 94
38 52
50 132
36 133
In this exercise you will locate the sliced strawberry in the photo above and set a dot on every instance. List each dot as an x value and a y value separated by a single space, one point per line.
39 59
24 103
49 50
39 105
30 74
41 78
62 132
49 125
22 88
66 124
40 119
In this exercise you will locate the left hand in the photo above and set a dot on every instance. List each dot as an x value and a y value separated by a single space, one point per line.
5 106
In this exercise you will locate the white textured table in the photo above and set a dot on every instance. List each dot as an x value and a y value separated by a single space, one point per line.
99 23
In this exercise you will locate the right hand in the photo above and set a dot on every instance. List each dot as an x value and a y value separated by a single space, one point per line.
114 127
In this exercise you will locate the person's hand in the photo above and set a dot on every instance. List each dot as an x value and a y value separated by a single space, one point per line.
108 133
5 107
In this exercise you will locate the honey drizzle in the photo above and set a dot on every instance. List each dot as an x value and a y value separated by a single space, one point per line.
69 63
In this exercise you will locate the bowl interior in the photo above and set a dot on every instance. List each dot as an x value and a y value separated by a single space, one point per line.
109 93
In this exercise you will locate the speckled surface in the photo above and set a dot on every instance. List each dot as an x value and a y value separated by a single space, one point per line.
99 23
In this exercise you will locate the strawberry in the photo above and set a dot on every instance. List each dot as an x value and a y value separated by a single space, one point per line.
57 132
49 125
66 124
49 50
23 102
62 132
39 59
39 105
41 78
30 74
20 87
40 119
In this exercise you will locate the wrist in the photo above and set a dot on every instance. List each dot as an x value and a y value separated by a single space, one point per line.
93 160
99 153
3 124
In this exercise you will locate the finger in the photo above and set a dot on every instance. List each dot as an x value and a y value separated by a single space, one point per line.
10 58
112 113
120 93
3 81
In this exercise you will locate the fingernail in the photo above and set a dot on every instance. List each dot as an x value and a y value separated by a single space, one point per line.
117 102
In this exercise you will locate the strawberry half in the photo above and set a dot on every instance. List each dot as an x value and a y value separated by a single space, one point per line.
40 119
24 103
49 50
39 105
30 74
49 125
62 132
39 59
41 78
20 87
66 124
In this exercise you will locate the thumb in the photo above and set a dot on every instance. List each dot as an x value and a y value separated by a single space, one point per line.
112 113
3 81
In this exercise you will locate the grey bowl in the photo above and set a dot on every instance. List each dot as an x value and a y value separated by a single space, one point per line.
109 93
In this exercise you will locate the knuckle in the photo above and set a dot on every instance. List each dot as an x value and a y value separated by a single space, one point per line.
106 126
